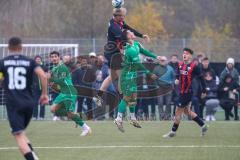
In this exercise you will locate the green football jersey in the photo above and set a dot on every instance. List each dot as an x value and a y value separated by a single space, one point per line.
132 64
132 60
62 77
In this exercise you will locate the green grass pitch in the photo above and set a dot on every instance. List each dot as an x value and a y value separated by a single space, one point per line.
61 141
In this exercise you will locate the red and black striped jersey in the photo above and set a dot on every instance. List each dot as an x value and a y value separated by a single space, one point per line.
115 30
185 75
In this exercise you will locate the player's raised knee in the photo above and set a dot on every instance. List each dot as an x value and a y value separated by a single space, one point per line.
53 109
70 115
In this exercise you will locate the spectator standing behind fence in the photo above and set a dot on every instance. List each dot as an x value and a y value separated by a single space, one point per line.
37 90
174 62
68 61
200 57
205 66
210 101
167 78
143 103
197 91
87 75
102 73
230 69
228 89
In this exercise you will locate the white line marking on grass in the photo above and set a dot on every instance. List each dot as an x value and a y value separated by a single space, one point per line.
103 147
187 121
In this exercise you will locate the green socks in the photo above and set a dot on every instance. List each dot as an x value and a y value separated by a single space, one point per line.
132 112
76 118
132 109
122 106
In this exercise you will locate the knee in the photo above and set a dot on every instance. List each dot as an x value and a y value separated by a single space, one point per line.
53 109
130 101
113 76
177 119
187 112
70 115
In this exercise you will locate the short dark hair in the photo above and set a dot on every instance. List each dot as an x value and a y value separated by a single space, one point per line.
208 73
14 43
228 76
174 55
67 54
55 52
205 59
37 56
188 50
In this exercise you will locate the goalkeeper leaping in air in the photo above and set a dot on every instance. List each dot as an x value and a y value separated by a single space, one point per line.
128 78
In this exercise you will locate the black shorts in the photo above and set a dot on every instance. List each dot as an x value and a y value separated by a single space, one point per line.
113 56
19 117
184 100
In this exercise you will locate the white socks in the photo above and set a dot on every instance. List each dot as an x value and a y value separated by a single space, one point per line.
119 116
85 126
132 116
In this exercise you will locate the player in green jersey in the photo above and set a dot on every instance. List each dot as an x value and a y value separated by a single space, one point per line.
64 104
131 65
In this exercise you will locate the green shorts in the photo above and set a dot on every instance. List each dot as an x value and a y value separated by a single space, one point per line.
128 83
67 101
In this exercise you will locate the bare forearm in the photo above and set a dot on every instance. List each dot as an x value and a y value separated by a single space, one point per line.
43 79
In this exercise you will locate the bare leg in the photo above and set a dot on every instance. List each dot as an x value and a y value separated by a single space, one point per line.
196 118
190 113
22 143
55 107
178 114
114 74
177 120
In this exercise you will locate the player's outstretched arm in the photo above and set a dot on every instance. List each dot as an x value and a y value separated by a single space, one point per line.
146 52
136 33
43 78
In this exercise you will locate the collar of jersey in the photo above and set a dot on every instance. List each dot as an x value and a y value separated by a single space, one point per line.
15 53
60 63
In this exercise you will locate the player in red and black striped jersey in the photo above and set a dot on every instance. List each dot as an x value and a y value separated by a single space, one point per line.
187 70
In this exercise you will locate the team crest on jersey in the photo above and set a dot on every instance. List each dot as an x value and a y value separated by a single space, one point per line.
183 72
